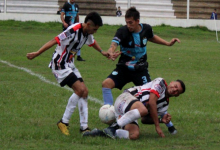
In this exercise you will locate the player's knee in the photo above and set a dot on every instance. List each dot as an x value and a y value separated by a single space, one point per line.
85 93
108 83
143 112
81 91
133 136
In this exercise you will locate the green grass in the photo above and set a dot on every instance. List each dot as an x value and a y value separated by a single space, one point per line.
30 108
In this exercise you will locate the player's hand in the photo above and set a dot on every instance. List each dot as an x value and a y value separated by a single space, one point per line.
110 54
115 55
65 25
32 55
159 131
166 118
105 54
173 41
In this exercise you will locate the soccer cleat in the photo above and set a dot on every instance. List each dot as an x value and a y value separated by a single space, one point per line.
110 132
85 130
115 125
63 127
94 132
172 130
79 58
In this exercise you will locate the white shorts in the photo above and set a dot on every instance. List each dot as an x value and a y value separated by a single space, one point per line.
62 74
122 101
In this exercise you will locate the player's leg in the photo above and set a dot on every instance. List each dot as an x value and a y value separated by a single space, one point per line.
82 102
136 111
121 103
140 77
107 85
83 113
67 77
79 58
129 107
115 80
132 129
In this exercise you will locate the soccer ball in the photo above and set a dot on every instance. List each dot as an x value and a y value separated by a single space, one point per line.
107 114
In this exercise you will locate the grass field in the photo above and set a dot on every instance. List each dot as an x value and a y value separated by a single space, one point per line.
31 102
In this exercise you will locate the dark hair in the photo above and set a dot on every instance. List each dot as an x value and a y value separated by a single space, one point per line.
132 12
95 18
182 85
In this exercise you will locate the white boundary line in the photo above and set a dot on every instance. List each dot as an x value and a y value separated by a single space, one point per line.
42 78
216 30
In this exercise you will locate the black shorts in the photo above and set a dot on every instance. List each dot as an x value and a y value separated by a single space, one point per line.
70 80
122 76
135 123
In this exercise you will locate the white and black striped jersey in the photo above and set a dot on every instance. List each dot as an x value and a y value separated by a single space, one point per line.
68 43
157 86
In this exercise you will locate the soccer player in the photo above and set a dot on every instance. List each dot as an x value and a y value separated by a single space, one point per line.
132 65
146 102
63 68
71 12
214 15
118 12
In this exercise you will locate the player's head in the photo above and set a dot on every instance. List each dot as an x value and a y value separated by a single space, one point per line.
132 18
93 21
175 88
72 1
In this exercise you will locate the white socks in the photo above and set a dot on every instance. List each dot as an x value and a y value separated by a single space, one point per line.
129 117
83 110
83 113
72 102
122 134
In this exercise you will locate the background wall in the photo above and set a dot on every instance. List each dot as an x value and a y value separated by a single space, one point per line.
111 20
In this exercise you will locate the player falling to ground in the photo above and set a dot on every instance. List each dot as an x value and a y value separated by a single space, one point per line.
146 102
63 68
132 65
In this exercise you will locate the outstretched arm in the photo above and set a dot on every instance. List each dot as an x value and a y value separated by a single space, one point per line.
98 48
45 47
158 40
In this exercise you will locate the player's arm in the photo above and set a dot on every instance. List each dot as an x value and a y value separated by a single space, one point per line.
45 47
62 14
98 48
112 51
77 18
153 110
159 40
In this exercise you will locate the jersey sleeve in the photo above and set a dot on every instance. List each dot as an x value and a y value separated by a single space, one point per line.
64 9
158 87
90 41
64 37
118 37
150 33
